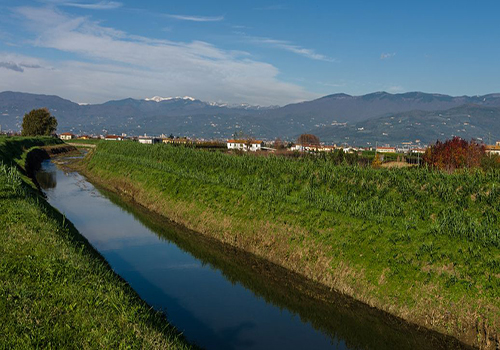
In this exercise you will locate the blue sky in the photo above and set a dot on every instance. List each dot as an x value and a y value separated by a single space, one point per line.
254 52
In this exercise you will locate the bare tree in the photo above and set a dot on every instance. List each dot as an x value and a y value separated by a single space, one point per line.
278 144
308 139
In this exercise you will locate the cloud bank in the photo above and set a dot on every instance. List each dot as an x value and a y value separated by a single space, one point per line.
385 56
197 18
102 5
109 63
286 45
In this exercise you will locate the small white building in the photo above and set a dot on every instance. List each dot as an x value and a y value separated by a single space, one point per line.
312 148
419 150
113 138
299 148
386 149
148 140
493 149
327 148
66 136
245 145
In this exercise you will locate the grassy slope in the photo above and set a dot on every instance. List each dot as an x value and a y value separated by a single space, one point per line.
421 245
55 289
88 142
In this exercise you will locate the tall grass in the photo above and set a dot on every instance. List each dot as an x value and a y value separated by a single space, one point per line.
462 205
412 241
56 291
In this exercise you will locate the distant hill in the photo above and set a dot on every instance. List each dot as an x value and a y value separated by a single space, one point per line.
339 108
178 115
467 121
191 117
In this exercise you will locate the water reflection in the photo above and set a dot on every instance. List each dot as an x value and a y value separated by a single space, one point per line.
349 324
46 179
220 297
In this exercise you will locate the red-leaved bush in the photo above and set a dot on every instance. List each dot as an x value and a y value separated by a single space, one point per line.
454 154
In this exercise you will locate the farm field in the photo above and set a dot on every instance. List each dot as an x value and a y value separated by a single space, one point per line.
422 245
83 141
56 290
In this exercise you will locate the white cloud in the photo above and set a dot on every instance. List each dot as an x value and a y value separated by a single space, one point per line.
336 85
7 62
12 66
385 56
102 5
395 89
113 64
288 46
196 18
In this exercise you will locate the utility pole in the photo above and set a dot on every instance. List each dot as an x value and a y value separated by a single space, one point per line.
489 141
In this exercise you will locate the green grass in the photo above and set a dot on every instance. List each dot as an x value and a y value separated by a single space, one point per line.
88 142
56 291
423 245
13 149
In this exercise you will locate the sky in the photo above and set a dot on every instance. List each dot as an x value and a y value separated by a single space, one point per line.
257 52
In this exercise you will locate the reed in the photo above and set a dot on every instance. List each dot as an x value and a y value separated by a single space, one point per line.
412 241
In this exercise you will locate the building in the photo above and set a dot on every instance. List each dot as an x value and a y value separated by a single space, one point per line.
245 145
305 147
327 148
418 150
493 149
113 138
178 141
349 149
386 149
148 140
313 148
66 136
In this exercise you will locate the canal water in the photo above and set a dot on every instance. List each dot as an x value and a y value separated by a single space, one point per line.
218 296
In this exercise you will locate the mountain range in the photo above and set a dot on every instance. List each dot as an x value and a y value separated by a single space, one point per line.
377 117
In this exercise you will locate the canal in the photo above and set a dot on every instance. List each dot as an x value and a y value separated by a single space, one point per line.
218 296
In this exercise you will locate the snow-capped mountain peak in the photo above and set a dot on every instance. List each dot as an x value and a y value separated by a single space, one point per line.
160 99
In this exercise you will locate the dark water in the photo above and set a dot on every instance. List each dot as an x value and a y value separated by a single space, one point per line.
220 297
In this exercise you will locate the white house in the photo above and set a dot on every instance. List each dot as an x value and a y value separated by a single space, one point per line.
245 145
298 147
66 136
317 148
493 149
386 149
113 138
418 150
148 140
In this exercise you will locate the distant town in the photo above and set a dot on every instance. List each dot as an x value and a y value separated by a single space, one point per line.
255 145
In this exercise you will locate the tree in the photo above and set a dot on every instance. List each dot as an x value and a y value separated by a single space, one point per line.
377 161
39 122
454 154
308 139
240 135
278 144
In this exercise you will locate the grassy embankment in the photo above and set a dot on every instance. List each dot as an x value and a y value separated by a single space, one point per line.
87 141
338 316
56 291
422 245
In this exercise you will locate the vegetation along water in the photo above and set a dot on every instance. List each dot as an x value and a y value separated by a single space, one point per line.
56 291
422 245
219 296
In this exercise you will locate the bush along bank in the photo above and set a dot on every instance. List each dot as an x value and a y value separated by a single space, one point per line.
422 245
56 290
